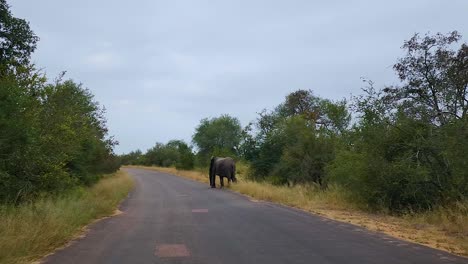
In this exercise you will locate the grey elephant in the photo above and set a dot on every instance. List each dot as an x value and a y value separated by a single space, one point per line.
223 167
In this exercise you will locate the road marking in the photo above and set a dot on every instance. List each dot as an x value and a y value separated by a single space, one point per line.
199 210
171 251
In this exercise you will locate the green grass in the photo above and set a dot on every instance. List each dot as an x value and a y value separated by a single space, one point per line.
30 231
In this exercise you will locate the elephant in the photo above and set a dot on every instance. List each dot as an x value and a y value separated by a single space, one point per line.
223 167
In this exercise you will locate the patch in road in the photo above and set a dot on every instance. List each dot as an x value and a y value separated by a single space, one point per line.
172 251
199 210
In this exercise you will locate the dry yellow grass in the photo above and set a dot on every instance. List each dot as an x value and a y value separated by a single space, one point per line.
30 231
445 228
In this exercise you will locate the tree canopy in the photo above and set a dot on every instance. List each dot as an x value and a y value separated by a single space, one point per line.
53 136
17 40
218 136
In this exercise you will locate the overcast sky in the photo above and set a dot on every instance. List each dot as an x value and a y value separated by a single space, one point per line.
161 66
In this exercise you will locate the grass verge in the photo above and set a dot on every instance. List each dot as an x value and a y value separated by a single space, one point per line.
30 231
443 228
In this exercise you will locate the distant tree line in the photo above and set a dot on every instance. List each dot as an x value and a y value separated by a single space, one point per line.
176 153
400 148
53 135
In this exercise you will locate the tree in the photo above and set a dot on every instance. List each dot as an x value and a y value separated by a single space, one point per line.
324 114
132 158
17 40
434 77
53 136
407 150
301 102
51 142
70 113
296 139
186 158
175 153
218 136
248 149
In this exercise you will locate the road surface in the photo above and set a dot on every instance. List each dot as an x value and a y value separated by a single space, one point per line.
168 219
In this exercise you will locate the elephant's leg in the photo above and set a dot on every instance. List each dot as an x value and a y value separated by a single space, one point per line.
213 181
222 181
229 180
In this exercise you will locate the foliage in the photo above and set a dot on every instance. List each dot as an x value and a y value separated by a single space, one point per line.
132 158
295 141
31 230
305 154
176 153
434 79
219 136
411 141
53 136
405 150
17 40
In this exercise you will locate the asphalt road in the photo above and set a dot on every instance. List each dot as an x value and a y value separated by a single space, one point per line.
168 219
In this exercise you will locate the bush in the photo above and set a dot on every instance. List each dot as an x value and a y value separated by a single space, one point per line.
404 164
53 136
175 153
305 154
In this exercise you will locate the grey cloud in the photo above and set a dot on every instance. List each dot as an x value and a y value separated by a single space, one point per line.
161 66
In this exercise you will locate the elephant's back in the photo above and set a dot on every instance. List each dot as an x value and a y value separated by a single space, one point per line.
225 166
226 161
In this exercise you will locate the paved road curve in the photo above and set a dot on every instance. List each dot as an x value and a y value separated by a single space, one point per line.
168 219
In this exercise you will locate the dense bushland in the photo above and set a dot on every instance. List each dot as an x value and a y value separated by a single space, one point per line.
409 145
53 135
400 148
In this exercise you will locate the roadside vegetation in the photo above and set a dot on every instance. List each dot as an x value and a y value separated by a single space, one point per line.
53 135
54 152
395 152
34 229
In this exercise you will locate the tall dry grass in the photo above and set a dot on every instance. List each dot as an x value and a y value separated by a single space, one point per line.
29 231
300 196
443 228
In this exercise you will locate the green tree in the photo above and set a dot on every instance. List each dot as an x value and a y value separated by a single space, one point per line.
50 142
186 158
70 113
409 146
219 136
175 153
17 40
18 136
132 158
305 154
323 113
248 149
52 136
296 139
434 79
